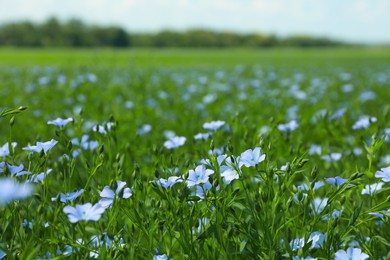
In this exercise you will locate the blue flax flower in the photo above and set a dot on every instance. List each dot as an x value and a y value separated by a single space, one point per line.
11 190
46 146
84 212
351 253
60 122
384 174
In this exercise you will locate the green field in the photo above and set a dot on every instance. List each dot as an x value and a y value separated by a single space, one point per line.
225 153
194 57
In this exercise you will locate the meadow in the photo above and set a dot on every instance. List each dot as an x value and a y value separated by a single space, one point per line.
195 154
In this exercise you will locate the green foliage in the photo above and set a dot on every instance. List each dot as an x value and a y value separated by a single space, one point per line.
272 211
74 33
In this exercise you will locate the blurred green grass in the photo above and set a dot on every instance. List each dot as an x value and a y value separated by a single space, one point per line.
194 57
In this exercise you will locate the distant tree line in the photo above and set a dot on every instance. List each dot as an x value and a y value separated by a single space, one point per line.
75 33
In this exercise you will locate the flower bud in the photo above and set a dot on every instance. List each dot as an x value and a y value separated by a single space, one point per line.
12 121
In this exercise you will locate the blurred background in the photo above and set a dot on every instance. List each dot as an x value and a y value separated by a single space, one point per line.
194 23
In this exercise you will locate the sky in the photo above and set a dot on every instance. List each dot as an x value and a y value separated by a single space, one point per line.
363 21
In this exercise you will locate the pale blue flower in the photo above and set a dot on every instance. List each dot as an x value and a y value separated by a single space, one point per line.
175 142
319 204
202 136
337 181
93 254
333 157
380 214
39 177
364 122
160 257
70 196
46 146
297 243
284 167
108 194
2 254
373 188
85 143
84 212
229 174
307 258
4 150
17 170
220 159
384 174
11 190
351 254
103 128
213 125
335 214
315 149
357 151
200 190
198 176
167 183
367 95
317 239
290 126
60 122
2 166
251 157
145 129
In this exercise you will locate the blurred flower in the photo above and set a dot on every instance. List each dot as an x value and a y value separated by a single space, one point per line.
337 181
108 194
290 126
60 122
168 134
364 122
84 212
315 149
199 175
384 174
85 144
2 254
103 128
4 150
46 146
39 177
213 125
17 170
160 257
333 157
317 239
175 142
297 243
347 88
319 204
351 253
357 151
144 129
251 157
11 190
169 182
70 196
200 190
202 136
228 174
373 188
380 214
367 95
